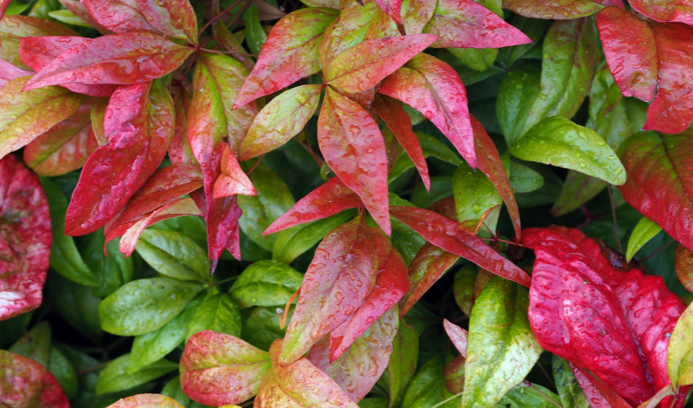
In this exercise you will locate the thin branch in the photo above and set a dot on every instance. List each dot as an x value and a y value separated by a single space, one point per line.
449 399
657 251
504 241
548 377
90 369
218 16
613 214
256 163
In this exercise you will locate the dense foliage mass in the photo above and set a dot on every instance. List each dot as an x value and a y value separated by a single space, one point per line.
346 203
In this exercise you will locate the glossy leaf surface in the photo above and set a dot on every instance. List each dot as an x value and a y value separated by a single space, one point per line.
644 231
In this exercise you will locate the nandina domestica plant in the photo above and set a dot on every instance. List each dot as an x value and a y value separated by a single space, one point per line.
354 203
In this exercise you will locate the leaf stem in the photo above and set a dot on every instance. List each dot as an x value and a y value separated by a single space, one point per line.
218 16
256 163
90 369
613 215
545 396
657 251
504 241
282 324
447 400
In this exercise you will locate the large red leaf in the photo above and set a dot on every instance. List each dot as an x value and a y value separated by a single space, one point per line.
163 187
340 277
429 264
328 199
218 369
299 385
659 183
613 322
25 239
390 285
680 11
127 58
360 367
399 122
64 147
37 52
173 18
119 16
139 125
558 9
432 87
351 143
361 67
468 24
289 54
452 237
26 383
490 164
644 56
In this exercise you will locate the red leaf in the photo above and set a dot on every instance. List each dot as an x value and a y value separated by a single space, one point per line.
684 266
289 54
9 72
353 146
432 87
361 67
163 187
658 184
390 285
3 7
119 16
452 237
399 122
328 199
429 264
64 147
232 180
360 367
12 28
80 10
299 385
392 8
468 24
417 14
177 208
665 10
179 151
26 383
139 122
25 239
644 56
458 336
127 58
146 401
37 52
218 369
490 164
340 277
629 316
173 18
598 394
223 230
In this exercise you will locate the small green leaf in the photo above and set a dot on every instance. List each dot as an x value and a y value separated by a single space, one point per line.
560 142
151 347
218 313
145 305
35 344
430 146
68 17
569 389
476 59
296 240
64 372
255 35
644 231
262 327
427 388
680 350
474 195
516 94
64 258
502 348
78 305
273 199
172 390
115 377
174 255
112 269
266 283
522 178
529 397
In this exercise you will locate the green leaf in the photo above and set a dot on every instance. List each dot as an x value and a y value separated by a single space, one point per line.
151 347
402 365
266 283
441 187
68 17
680 351
191 226
172 390
522 178
463 287
64 372
273 199
502 349
474 195
13 328
115 377
374 403
560 142
174 255
518 91
569 390
16 8
530 397
255 35
77 305
145 305
407 241
218 313
644 231
296 240
430 147
427 388
262 327
532 28
35 344
476 59
112 269
64 258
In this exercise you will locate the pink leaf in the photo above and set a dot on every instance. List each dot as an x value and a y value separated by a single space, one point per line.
26 383
9 72
232 180
119 16
458 336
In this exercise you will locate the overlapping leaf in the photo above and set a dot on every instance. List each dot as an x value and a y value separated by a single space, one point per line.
26 383
558 9
631 315
12 28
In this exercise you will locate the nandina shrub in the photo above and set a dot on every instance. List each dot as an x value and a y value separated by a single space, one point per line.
401 204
